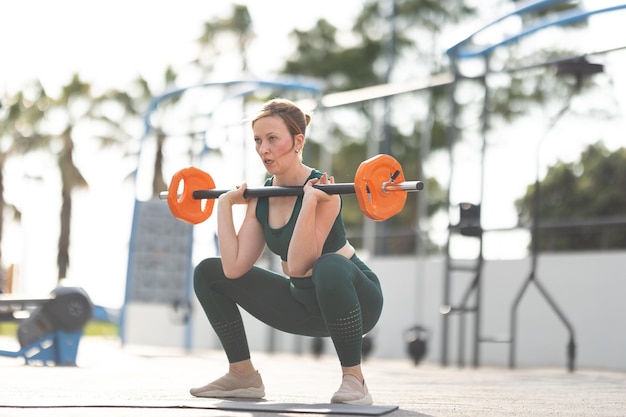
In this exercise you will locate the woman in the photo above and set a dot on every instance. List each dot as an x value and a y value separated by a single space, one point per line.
326 291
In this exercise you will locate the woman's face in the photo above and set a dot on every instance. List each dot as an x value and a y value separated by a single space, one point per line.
274 144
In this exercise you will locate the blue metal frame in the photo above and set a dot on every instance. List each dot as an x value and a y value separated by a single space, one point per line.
312 88
560 19
527 7
58 348
255 85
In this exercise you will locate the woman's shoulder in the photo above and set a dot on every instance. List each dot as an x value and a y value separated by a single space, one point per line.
315 173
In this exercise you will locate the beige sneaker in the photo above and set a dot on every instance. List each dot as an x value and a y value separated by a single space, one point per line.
232 386
352 391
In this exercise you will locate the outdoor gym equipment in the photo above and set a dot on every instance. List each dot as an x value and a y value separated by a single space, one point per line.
52 331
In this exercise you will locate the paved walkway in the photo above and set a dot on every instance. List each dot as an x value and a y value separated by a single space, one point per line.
111 381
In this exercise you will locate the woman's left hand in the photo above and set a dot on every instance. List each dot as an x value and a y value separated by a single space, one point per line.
319 195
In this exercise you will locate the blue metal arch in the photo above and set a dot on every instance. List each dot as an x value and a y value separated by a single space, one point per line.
559 19
527 7
292 85
252 86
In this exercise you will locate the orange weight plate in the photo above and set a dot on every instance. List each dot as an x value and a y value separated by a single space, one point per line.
185 207
376 203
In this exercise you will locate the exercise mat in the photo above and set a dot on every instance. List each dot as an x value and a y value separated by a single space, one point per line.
224 405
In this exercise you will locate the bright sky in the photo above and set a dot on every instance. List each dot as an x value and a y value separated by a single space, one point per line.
111 42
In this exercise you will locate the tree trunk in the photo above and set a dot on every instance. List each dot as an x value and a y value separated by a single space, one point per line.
63 258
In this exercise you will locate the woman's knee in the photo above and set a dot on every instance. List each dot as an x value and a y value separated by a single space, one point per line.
331 270
329 262
206 271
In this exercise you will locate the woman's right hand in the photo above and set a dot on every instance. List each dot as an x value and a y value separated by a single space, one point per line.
235 196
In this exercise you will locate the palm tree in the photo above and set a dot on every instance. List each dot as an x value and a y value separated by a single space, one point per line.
19 136
74 103
37 121
134 107
237 26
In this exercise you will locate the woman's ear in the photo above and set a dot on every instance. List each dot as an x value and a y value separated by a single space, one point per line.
299 141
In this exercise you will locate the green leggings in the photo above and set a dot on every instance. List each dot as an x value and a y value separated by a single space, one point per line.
342 299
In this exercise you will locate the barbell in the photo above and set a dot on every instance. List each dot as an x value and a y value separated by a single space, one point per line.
379 185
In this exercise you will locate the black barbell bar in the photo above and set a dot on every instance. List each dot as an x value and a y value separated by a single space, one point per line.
290 191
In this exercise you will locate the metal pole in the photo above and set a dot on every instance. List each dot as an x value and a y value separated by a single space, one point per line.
452 133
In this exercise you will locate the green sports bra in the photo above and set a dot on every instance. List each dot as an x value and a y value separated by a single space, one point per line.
278 239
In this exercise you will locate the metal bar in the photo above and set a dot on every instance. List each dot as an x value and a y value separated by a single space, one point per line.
403 186
275 191
523 8
560 19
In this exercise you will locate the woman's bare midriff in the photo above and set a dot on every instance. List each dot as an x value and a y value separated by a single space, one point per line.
347 250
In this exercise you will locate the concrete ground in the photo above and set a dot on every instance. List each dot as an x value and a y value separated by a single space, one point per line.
113 381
